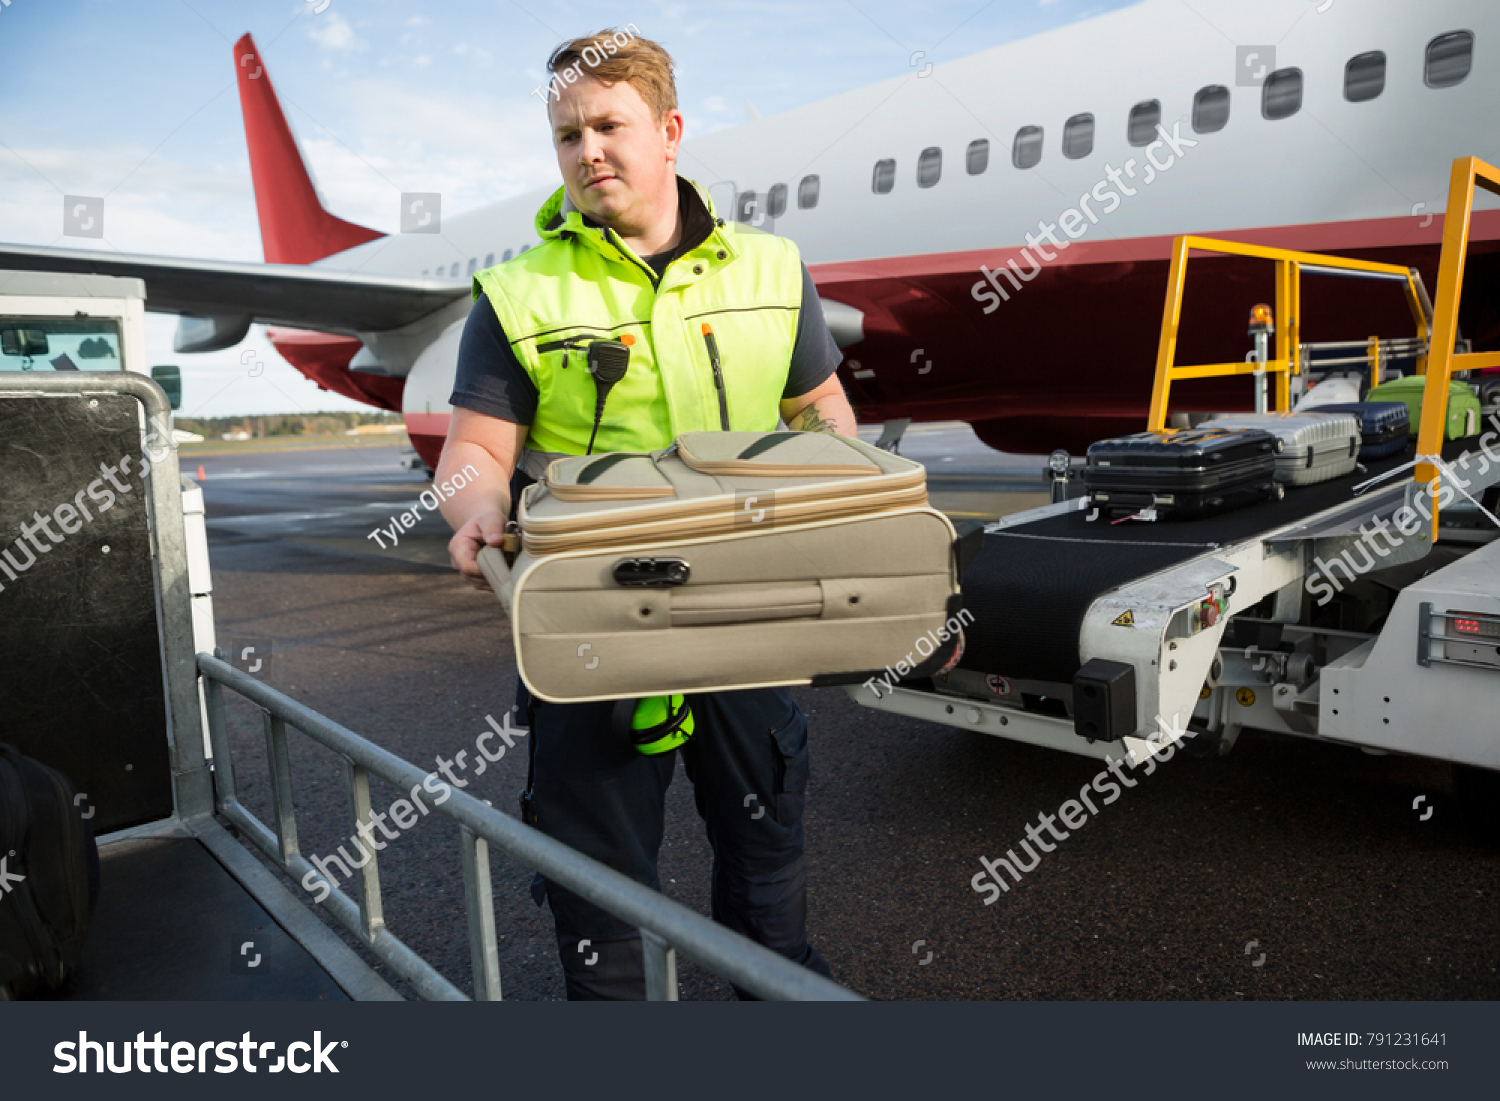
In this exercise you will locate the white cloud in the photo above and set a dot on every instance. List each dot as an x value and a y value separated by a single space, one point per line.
152 202
333 32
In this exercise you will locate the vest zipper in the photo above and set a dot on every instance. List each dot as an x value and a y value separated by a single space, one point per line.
614 238
713 361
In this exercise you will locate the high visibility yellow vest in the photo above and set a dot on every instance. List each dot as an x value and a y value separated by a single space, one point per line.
583 281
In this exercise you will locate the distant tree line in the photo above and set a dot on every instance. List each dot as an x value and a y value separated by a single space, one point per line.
284 424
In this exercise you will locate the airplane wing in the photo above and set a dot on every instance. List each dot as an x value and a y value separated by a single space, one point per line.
293 295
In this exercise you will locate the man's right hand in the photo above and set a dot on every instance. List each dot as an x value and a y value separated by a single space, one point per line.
484 530
480 457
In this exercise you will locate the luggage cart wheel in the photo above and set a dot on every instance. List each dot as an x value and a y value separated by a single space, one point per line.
1206 744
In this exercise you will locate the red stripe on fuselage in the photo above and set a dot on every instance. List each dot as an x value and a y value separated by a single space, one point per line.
1070 356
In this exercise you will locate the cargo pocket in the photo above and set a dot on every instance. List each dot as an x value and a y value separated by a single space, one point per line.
791 768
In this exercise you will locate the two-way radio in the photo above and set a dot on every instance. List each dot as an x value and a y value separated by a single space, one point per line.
607 362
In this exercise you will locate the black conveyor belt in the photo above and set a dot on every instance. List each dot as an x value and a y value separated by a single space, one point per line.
1030 586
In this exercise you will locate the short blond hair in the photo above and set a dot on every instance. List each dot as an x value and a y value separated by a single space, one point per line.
615 55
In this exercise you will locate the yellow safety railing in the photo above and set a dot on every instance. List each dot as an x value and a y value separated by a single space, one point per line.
1442 361
1283 363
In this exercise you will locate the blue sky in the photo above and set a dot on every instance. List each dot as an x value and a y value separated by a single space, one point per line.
135 100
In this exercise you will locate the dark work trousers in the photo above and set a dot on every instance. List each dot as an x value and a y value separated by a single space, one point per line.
748 762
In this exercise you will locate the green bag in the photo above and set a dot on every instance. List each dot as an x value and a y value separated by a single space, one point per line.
1463 404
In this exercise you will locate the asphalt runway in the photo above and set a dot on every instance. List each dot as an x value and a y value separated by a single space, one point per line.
1288 870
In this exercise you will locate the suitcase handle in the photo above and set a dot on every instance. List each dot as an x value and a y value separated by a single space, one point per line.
711 605
1312 450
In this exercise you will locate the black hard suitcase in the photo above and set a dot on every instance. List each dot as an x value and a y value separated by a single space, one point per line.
1192 472
49 876
1384 426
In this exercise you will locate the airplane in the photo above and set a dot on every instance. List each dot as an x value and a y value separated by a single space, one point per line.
989 236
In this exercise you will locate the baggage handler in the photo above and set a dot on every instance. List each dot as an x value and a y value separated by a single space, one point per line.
629 248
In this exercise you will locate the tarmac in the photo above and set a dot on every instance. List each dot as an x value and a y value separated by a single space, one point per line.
1290 869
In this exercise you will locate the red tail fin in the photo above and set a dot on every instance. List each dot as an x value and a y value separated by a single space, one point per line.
294 227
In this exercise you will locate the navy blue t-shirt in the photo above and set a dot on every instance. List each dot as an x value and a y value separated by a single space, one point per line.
491 380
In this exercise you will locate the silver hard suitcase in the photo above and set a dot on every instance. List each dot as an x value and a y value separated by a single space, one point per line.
1314 446
729 560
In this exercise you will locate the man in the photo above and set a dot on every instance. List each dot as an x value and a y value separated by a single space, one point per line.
629 249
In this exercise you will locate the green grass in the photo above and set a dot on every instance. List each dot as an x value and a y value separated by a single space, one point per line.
291 443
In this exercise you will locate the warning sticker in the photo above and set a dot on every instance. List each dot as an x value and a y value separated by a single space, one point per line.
1127 619
1246 696
998 685
1207 691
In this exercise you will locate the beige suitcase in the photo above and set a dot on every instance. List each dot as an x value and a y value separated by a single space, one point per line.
729 560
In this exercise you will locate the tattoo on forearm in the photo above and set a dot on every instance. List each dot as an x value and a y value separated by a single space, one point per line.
810 420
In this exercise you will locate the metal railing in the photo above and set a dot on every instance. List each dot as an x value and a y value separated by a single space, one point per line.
1467 174
665 925
1287 358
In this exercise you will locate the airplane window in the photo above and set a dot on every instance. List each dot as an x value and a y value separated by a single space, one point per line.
1210 109
746 206
1281 95
424 273
977 159
1364 76
929 166
1448 59
807 193
1078 136
776 201
1143 119
473 265
506 255
1027 148
884 178
523 249
489 261
454 273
